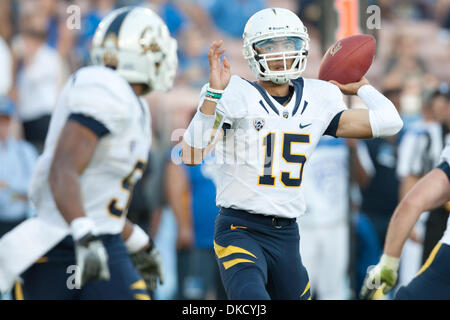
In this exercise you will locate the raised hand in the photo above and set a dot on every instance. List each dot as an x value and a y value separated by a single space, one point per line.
219 76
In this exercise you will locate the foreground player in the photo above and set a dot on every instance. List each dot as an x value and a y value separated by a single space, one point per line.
433 279
99 139
271 128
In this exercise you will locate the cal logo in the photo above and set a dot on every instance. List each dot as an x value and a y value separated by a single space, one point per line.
336 48
258 123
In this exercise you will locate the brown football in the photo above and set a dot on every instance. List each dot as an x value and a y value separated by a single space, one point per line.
348 59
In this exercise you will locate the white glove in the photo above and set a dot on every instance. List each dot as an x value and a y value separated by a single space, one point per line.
383 276
90 253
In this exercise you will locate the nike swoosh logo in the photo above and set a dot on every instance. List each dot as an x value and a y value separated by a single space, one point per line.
233 227
303 127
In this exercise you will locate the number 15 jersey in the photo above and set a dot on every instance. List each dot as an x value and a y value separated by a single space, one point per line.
261 159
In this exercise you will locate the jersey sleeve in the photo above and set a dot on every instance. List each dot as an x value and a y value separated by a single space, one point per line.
445 161
335 106
102 102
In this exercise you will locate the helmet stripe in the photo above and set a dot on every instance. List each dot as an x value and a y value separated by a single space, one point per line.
116 24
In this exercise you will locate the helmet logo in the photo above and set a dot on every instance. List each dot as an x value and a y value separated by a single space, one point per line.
336 48
146 41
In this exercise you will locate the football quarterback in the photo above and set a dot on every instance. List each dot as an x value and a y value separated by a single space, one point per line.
264 132
95 151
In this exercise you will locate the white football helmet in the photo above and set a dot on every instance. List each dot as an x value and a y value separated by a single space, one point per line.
279 35
137 44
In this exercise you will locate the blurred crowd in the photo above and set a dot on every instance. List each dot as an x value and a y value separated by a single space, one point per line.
43 41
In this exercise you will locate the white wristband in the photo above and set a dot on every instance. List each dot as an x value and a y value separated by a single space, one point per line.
137 240
198 134
80 227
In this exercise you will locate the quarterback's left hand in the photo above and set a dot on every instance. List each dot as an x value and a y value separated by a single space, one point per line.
149 264
383 276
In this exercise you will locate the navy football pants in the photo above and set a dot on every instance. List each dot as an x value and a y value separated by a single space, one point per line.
433 280
52 276
259 257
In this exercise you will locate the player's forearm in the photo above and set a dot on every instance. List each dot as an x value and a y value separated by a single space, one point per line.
430 192
66 190
383 116
400 227
208 107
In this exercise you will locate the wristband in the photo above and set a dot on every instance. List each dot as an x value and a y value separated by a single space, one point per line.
80 227
213 95
211 99
215 90
137 240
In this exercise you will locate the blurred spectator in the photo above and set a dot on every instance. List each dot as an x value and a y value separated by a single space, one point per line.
377 179
17 160
6 28
59 36
427 152
368 249
169 11
39 78
98 10
324 230
5 68
193 58
231 16
403 62
193 201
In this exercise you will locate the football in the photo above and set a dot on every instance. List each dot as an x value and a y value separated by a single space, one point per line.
348 59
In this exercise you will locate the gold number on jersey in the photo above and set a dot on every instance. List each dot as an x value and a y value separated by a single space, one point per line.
127 185
267 179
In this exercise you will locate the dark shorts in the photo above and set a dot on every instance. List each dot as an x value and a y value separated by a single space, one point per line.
433 280
52 276
259 257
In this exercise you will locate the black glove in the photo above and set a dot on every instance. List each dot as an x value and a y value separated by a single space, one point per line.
149 264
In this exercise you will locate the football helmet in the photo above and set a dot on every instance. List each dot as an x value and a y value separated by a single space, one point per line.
137 44
276 34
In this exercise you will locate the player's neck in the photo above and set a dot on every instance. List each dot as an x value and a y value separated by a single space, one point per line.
278 90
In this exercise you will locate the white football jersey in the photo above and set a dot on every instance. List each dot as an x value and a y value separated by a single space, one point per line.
120 156
262 158
445 157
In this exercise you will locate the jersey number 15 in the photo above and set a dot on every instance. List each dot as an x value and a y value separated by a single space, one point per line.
267 179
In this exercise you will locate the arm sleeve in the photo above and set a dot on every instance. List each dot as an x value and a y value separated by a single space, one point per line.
92 124
383 116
